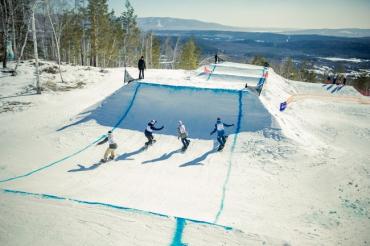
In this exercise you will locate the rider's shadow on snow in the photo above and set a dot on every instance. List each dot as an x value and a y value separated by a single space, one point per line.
198 161
329 87
336 89
83 168
125 156
163 157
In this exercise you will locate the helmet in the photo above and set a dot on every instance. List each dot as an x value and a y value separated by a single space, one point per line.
180 122
152 122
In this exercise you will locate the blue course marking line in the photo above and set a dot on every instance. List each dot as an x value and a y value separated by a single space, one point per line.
128 108
230 158
185 87
111 206
177 238
53 163
209 76
81 150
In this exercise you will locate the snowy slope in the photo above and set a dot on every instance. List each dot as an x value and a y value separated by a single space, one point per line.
296 177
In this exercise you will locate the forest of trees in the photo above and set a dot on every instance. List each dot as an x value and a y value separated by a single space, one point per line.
83 32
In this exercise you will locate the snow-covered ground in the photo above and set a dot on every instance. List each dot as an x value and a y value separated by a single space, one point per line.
298 177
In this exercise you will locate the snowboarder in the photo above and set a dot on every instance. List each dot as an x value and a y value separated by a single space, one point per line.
141 65
183 134
216 58
221 137
149 132
112 146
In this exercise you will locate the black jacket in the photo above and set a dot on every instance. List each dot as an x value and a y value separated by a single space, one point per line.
153 128
141 64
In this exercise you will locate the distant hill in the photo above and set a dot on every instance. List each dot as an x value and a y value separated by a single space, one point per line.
167 24
345 32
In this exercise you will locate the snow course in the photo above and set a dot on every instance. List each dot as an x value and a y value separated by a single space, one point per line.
203 194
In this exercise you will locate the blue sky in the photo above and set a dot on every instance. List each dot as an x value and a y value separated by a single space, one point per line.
256 13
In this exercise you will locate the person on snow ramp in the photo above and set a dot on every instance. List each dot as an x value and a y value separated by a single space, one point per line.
183 134
112 146
149 132
221 137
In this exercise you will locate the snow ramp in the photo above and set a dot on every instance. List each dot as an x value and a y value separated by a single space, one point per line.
132 106
229 72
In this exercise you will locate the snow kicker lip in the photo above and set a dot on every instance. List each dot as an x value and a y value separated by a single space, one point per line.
197 107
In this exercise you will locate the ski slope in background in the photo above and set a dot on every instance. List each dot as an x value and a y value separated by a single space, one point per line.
293 177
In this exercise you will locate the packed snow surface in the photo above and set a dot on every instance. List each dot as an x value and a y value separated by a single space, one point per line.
297 177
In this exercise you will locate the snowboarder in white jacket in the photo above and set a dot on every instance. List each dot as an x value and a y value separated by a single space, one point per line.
149 132
183 134
111 148
220 128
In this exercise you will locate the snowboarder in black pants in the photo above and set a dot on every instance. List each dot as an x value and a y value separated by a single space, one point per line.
141 65
183 134
220 128
216 58
111 148
149 132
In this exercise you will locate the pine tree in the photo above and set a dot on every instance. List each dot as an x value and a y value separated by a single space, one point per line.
97 11
288 69
156 52
362 83
259 60
305 74
189 57
131 41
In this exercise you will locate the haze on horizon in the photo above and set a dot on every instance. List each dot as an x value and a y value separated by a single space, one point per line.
303 14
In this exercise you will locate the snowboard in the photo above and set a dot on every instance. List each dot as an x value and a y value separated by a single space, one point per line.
221 147
103 161
183 149
146 145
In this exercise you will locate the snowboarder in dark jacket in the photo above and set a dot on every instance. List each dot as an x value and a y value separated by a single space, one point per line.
141 65
149 131
112 146
220 128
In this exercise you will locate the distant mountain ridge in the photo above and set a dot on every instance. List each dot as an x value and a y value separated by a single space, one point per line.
167 23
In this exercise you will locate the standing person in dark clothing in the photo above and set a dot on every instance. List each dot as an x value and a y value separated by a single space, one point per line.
335 79
344 80
149 132
141 65
216 59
